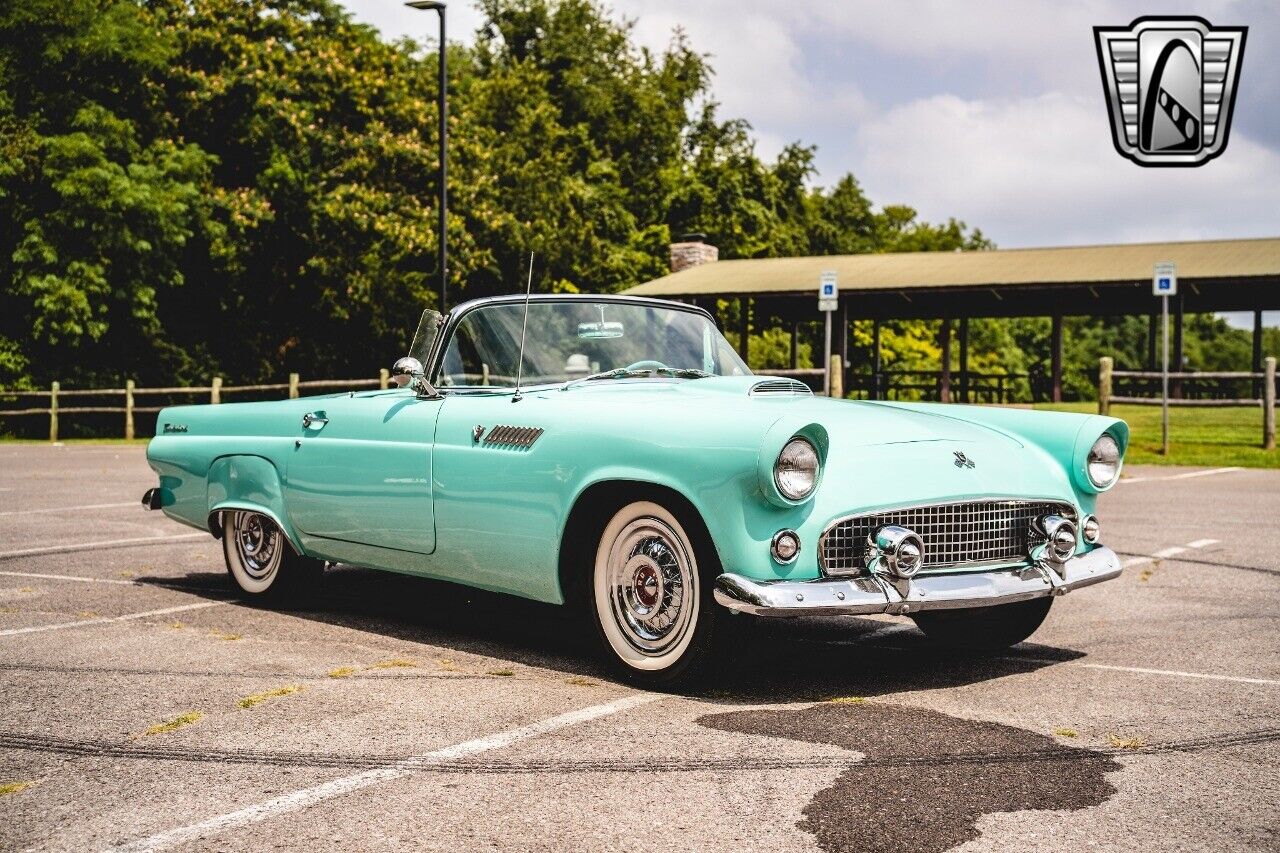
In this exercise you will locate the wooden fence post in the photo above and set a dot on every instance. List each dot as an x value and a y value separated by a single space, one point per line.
1269 403
836 369
384 378
215 392
128 409
1104 384
53 411
293 386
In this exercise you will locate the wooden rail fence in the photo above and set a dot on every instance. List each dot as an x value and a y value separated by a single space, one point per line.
215 389
1107 376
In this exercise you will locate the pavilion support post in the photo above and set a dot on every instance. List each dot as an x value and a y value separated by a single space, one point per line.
877 384
744 326
215 391
964 360
844 345
795 346
1055 358
1176 362
944 339
1257 350
1153 327
1269 404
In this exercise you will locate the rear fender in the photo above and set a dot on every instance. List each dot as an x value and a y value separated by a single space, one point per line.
249 483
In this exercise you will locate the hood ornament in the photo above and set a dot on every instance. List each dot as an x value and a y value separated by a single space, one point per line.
963 461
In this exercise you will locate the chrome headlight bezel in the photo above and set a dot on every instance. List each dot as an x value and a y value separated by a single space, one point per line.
798 459
1104 458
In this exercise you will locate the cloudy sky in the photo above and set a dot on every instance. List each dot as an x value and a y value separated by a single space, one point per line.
991 112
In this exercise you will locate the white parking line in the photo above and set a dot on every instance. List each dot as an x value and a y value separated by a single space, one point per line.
1208 472
310 796
106 543
107 620
1211 676
1166 553
45 577
68 508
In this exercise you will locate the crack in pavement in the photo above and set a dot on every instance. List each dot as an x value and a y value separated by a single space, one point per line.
1048 750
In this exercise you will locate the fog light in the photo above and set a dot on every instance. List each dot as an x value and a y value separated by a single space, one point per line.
1091 530
897 550
1060 538
785 546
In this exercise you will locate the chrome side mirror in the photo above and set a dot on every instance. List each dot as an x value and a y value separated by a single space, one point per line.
408 372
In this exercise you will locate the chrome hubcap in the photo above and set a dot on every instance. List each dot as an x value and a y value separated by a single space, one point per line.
258 541
651 585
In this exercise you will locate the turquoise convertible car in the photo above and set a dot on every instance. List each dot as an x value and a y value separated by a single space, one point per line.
615 454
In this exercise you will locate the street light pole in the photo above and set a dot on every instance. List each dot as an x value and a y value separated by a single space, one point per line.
443 135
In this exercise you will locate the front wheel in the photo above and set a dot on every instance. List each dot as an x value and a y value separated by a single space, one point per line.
985 628
260 559
651 601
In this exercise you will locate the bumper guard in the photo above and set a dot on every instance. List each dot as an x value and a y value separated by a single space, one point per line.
878 593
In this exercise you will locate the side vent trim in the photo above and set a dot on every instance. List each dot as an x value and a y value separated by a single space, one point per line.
512 436
780 388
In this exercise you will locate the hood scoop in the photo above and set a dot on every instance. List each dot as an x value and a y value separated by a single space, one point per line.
780 388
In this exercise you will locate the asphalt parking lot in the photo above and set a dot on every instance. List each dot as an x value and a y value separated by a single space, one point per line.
144 707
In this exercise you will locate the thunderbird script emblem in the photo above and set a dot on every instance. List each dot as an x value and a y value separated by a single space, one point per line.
1170 85
963 461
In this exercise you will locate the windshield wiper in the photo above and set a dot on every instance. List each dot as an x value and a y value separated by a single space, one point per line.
623 373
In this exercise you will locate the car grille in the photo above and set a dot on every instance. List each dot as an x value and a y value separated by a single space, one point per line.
955 535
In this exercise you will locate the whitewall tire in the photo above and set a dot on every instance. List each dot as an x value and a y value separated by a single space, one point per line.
650 598
260 558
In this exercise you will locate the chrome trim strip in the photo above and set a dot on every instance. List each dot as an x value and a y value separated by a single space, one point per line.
1069 511
862 596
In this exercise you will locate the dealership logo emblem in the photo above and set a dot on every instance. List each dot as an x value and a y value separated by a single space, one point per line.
1170 86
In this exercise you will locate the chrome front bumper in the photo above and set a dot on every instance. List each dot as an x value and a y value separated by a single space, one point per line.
882 594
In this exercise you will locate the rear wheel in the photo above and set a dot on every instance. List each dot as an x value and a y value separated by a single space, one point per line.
260 558
651 595
985 628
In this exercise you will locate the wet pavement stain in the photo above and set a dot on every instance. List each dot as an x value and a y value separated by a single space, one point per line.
926 777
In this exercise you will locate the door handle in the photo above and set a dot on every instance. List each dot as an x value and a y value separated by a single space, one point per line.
311 420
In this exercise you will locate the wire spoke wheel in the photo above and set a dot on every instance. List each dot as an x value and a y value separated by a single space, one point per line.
646 588
254 548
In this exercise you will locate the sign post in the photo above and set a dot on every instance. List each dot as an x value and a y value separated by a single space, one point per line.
1164 283
828 301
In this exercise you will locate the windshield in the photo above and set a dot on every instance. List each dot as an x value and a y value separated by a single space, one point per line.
575 339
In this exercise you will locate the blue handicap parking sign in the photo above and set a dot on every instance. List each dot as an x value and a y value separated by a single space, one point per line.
828 289
1163 283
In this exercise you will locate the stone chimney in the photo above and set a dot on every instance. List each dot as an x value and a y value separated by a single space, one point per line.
692 251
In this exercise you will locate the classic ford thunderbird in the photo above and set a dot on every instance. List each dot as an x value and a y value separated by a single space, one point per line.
615 454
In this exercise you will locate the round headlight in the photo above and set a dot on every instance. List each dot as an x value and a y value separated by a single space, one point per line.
795 473
1104 461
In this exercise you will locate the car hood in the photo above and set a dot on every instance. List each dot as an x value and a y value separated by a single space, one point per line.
854 422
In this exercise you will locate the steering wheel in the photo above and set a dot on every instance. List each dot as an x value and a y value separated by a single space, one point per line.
646 364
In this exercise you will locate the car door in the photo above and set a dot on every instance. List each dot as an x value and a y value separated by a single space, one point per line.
360 471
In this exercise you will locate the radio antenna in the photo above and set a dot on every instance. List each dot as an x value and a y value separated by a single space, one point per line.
524 326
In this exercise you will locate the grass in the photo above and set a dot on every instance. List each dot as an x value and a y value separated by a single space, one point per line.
502 673
342 672
1066 732
579 681
1209 436
1119 742
140 442
14 787
847 700
259 698
176 723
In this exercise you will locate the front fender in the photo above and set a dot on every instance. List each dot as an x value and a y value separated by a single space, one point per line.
248 483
